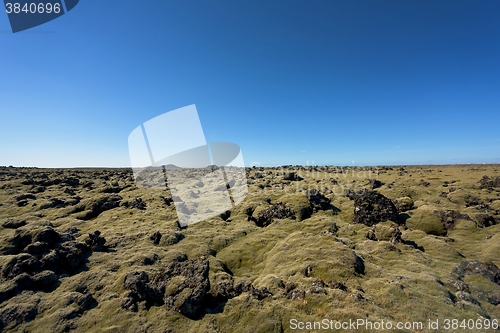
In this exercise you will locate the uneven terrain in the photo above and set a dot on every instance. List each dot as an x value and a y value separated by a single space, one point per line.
87 250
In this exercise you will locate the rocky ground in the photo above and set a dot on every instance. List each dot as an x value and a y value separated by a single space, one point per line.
86 250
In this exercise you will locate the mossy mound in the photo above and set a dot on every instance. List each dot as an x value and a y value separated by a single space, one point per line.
423 218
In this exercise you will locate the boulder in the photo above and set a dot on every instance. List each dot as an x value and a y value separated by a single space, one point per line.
96 242
267 216
180 286
156 237
374 183
486 220
486 269
317 200
371 207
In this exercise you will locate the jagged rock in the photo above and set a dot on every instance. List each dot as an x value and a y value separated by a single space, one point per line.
371 234
66 258
317 200
359 264
260 293
138 283
374 183
266 217
292 292
450 217
488 183
56 203
24 263
156 237
135 203
337 285
318 287
464 293
371 207
486 220
469 267
96 242
424 183
224 290
181 286
48 236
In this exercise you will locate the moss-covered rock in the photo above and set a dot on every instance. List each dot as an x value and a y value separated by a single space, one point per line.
423 218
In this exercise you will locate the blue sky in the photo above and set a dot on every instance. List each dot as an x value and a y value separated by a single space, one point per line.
291 82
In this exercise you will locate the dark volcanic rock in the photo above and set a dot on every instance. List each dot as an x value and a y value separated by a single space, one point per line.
135 203
318 287
291 292
469 267
66 258
486 220
48 236
317 200
226 215
22 197
488 183
291 176
57 203
337 285
181 286
96 242
374 183
450 217
266 217
24 263
138 283
224 290
424 183
43 280
371 207
156 237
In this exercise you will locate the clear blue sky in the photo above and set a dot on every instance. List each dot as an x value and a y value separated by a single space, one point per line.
292 82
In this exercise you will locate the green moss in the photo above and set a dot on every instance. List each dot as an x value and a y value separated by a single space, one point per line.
423 218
